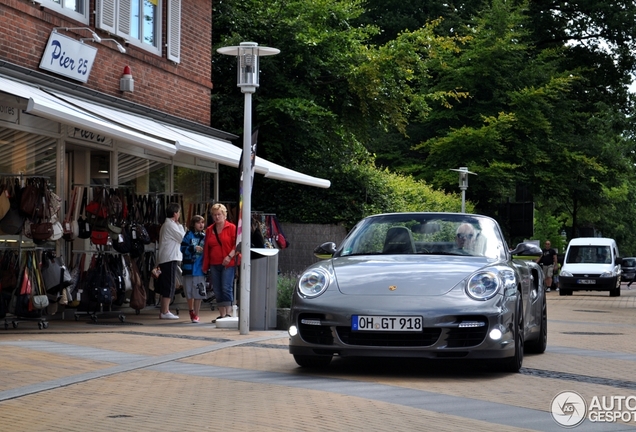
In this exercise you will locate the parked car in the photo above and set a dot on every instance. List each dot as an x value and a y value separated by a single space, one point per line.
628 268
428 285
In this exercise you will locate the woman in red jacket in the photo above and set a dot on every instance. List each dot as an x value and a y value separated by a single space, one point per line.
218 259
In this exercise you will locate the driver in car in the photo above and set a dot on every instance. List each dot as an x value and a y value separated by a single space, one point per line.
465 238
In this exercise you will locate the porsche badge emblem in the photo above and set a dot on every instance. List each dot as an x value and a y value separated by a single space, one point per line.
392 287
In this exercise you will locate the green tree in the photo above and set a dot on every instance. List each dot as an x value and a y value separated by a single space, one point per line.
319 96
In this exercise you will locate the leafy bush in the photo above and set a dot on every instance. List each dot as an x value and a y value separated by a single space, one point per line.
286 284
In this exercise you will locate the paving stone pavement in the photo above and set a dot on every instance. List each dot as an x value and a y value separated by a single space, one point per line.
148 374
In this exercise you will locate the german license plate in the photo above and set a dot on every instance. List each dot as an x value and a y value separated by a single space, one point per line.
629 276
586 281
386 323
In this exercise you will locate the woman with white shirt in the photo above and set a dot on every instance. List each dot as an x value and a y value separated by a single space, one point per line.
168 255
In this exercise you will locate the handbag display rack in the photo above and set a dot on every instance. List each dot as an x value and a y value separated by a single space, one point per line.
14 218
93 287
28 301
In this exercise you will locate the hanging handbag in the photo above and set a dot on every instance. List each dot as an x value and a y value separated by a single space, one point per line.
41 230
39 299
54 273
30 197
138 296
101 291
13 221
5 203
97 210
9 278
121 242
58 230
74 222
66 225
99 238
126 273
76 275
84 226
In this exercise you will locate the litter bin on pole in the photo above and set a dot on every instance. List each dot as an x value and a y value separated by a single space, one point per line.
263 288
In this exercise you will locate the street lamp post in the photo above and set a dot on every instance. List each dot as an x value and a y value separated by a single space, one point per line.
247 55
463 183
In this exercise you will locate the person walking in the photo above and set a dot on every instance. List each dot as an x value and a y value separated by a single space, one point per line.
168 254
192 265
548 261
219 258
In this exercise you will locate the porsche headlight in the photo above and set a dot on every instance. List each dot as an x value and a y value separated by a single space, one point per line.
313 282
484 285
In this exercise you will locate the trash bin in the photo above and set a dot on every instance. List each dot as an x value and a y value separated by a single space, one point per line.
263 288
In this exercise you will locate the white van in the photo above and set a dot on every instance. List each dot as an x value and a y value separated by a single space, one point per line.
591 264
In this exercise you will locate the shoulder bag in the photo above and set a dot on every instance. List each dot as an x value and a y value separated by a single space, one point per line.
83 225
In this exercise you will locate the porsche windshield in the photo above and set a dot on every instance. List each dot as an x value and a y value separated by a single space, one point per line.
417 233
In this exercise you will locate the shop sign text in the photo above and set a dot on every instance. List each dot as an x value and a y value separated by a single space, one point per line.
85 135
8 113
68 57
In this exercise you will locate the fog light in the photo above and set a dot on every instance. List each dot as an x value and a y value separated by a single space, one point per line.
310 322
495 334
468 324
293 330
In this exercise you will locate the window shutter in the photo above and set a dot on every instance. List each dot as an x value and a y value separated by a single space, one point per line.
106 15
174 31
124 18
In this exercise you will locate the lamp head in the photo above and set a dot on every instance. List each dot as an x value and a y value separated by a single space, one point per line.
247 54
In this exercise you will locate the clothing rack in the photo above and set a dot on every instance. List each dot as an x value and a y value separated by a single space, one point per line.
103 185
89 251
22 175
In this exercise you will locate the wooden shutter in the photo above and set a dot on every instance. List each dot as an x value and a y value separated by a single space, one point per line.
174 31
124 17
106 15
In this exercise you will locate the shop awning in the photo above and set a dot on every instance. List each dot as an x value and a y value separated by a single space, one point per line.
143 131
194 143
48 106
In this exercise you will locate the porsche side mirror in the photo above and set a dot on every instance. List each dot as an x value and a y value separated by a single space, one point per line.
325 250
526 249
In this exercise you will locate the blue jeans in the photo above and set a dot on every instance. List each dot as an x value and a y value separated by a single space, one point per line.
222 280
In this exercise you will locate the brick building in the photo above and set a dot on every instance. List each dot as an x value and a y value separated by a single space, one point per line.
113 94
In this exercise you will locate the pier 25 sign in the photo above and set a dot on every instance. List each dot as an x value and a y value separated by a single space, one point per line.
68 57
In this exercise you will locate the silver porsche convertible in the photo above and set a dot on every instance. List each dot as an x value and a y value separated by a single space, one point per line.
428 285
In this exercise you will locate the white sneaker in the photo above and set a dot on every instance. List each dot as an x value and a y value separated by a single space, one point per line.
547 290
168 315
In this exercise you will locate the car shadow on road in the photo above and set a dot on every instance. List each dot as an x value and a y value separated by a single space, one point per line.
390 367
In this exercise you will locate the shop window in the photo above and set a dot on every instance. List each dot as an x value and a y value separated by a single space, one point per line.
196 189
143 175
76 9
27 153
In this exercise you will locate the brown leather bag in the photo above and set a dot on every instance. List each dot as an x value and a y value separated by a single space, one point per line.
138 296
41 231
30 199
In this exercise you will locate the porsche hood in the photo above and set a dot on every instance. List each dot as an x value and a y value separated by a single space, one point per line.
404 274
